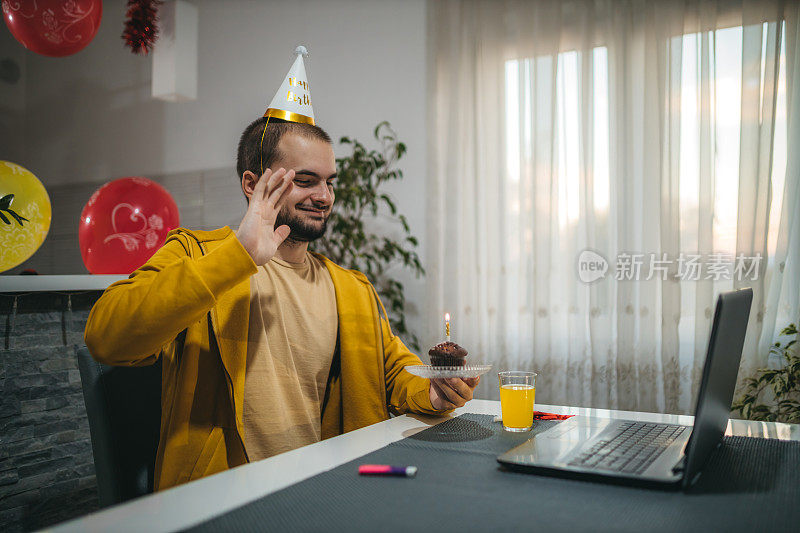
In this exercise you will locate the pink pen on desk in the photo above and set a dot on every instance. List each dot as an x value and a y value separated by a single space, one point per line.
387 470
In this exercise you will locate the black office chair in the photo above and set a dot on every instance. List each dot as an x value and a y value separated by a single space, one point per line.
124 409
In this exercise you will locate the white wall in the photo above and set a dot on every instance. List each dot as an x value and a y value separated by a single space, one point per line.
12 96
90 118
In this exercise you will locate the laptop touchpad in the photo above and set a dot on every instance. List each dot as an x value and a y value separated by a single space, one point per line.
557 442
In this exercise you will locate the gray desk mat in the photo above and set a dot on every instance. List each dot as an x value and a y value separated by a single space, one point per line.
750 484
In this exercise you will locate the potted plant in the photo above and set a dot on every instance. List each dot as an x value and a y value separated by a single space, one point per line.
781 386
351 243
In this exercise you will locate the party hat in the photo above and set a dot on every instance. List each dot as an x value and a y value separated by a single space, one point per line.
292 102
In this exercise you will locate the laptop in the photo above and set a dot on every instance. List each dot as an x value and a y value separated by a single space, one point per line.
644 453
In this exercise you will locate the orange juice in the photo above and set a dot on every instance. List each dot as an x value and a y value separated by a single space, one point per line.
516 403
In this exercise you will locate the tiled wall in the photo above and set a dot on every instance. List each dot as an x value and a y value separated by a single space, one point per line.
46 464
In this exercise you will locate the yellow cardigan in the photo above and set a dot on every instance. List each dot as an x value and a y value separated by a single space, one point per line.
189 304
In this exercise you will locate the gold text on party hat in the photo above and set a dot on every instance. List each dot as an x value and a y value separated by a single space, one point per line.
302 100
295 82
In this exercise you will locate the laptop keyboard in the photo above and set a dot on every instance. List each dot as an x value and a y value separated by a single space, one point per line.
630 448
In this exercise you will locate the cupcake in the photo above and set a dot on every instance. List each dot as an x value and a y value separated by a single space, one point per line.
447 354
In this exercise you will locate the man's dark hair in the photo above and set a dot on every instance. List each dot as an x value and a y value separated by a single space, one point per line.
249 158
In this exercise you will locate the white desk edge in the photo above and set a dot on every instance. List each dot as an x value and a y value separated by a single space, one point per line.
201 500
82 282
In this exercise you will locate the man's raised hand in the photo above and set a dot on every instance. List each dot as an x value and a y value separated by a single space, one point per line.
257 231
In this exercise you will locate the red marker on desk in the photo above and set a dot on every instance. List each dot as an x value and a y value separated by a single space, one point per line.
387 470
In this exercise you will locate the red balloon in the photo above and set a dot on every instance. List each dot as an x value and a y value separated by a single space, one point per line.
53 28
124 223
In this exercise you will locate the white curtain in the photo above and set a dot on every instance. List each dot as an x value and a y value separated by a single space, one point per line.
648 132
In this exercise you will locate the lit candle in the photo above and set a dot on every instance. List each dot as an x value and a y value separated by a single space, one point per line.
447 326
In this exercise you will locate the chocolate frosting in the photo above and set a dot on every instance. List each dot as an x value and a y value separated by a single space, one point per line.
447 349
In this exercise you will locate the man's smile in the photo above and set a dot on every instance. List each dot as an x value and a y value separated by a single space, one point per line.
320 213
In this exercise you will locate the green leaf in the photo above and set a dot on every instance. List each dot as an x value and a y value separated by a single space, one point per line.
767 376
390 203
4 218
378 127
5 201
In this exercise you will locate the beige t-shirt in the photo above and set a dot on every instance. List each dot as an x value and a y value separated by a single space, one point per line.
291 342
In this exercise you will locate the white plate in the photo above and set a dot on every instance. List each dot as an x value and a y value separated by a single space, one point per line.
428 371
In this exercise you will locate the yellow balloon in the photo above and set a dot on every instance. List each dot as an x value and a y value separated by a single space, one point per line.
25 218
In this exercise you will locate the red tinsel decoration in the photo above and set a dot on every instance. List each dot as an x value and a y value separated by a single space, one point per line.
141 30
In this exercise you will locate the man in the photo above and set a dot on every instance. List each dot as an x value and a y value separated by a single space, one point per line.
266 347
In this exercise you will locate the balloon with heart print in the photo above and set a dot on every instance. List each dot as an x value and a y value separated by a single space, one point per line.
53 28
124 223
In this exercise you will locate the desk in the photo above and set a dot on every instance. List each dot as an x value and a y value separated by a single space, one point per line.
196 502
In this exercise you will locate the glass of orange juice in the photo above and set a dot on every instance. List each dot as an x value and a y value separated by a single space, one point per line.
517 392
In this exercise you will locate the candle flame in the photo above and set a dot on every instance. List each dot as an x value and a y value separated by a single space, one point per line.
447 317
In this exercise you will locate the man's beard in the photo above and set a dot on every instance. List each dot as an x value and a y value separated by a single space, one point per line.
300 230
